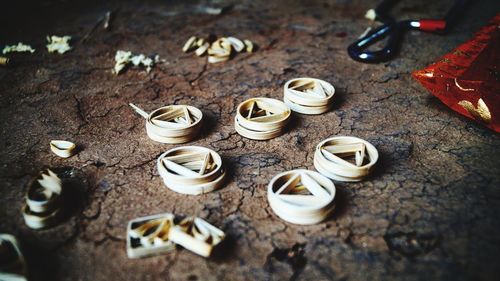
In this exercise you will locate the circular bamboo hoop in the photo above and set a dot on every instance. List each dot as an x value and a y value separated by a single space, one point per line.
261 118
172 124
308 95
294 207
191 169
329 162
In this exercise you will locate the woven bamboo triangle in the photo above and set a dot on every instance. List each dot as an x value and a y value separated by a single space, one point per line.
336 153
179 116
301 189
190 164
255 112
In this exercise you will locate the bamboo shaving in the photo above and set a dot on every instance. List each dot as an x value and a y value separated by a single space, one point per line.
19 48
219 50
124 58
58 44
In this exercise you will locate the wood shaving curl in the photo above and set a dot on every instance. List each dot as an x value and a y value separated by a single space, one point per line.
19 48
58 44
124 58
219 50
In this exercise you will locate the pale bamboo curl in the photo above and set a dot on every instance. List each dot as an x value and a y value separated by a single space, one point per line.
43 206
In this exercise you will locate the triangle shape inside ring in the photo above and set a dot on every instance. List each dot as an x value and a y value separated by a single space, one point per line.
175 118
337 153
301 189
190 164
261 111
309 87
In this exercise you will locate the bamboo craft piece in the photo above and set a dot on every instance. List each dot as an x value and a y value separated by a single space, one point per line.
261 118
148 236
12 264
43 201
62 148
301 196
330 158
191 170
219 50
308 95
172 124
160 233
196 235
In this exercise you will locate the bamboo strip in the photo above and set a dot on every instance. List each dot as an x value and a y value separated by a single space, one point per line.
261 118
308 95
191 170
328 158
301 208
173 123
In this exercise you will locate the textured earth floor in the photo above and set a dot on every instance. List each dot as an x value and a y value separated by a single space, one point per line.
429 212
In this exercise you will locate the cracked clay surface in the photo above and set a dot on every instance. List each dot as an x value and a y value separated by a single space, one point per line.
429 211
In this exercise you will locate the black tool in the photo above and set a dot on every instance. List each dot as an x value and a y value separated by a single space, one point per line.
396 30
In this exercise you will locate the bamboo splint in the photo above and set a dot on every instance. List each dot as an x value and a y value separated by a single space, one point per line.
301 196
196 235
191 169
156 234
172 124
330 158
308 95
148 236
261 118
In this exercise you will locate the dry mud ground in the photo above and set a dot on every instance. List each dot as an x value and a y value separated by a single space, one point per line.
429 212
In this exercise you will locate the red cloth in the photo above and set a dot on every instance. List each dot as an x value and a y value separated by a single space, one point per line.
468 78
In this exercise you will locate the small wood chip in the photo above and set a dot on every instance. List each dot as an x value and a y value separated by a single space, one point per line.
19 48
107 18
58 44
237 44
190 44
249 45
202 49
63 148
